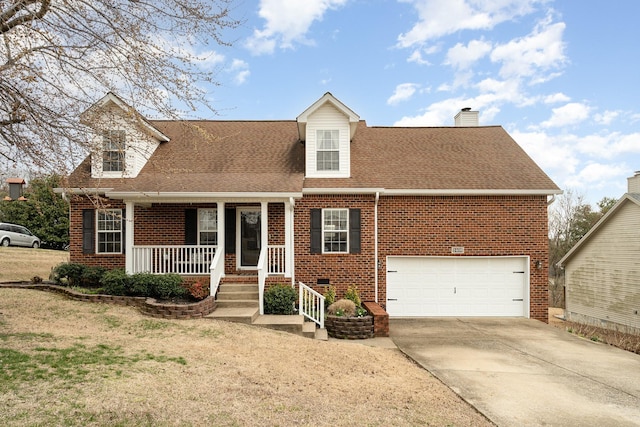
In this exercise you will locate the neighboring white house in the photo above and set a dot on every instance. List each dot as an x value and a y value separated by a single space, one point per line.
602 271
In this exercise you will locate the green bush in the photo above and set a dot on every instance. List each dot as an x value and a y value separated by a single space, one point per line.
69 273
142 285
167 286
330 296
354 295
115 282
91 276
279 299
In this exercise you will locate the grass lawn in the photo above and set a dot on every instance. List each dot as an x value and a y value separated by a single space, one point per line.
65 362
25 263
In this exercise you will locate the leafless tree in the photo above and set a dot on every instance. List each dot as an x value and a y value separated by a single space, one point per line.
59 56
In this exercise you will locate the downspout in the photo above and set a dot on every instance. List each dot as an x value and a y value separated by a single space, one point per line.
375 243
553 199
292 241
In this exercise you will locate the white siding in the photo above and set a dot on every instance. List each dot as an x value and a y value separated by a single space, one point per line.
139 145
603 277
327 117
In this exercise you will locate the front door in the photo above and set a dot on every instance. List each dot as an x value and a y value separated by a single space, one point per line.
248 234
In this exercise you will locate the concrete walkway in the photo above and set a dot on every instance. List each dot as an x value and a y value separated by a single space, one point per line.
521 372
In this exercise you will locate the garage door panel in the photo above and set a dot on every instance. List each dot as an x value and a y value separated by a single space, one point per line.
456 286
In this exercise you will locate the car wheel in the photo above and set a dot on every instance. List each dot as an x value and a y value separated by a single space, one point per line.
36 245
5 242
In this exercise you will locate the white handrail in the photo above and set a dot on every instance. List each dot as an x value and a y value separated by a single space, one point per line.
263 271
311 304
180 259
216 272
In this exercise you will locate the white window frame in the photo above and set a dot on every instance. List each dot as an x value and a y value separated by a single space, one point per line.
327 228
113 217
321 148
113 150
203 229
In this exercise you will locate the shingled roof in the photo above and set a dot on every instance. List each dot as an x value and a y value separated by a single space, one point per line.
267 156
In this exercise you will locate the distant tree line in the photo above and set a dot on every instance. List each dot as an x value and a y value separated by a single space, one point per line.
44 212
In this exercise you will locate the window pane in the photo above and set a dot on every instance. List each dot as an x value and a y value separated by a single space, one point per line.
109 229
335 230
328 160
113 145
209 238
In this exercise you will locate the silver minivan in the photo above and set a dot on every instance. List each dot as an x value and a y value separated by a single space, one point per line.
17 235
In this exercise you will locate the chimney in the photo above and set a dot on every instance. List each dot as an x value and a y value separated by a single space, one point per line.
634 183
466 117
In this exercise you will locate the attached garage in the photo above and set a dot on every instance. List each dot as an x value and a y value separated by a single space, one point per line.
457 286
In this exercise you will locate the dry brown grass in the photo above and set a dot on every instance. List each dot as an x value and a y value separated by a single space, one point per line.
22 264
126 369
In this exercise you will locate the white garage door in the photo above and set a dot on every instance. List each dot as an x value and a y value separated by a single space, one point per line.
457 286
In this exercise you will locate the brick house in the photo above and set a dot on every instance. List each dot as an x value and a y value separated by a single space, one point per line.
440 221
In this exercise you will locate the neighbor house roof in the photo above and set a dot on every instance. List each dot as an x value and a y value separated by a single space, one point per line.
633 198
268 156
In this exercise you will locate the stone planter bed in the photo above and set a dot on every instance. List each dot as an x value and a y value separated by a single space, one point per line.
350 328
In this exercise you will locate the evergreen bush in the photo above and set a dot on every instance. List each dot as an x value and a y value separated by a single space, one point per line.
279 299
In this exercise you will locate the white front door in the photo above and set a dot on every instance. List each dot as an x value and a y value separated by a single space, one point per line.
248 237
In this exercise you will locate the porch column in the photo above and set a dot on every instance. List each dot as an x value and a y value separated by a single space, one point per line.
221 236
264 223
288 238
128 237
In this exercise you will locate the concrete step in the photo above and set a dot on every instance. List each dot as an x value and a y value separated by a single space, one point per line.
240 278
236 295
292 324
309 329
244 315
238 287
321 334
242 303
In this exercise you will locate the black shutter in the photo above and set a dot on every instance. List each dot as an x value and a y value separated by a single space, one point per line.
354 231
190 226
88 231
124 230
316 231
230 231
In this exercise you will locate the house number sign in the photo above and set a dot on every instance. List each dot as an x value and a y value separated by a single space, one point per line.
457 249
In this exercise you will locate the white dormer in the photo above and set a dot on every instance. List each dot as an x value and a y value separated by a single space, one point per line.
327 127
122 141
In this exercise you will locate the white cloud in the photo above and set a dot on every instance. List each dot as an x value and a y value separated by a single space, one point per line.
241 70
569 114
606 118
598 175
555 98
462 57
553 154
438 18
540 51
416 56
403 92
287 23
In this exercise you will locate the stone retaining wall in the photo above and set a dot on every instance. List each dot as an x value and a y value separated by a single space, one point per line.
147 306
350 328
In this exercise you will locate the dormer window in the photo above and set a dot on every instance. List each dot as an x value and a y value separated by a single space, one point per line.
328 155
113 149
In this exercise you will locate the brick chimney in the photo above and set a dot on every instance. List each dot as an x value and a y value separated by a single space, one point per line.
634 183
466 117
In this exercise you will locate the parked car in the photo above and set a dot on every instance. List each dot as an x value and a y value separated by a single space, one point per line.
17 235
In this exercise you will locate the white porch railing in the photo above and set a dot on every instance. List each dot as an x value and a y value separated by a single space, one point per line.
184 260
277 260
263 271
217 271
311 304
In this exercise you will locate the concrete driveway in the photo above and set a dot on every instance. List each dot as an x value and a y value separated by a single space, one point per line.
523 372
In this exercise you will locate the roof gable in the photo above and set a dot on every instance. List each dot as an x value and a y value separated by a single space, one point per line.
627 198
351 117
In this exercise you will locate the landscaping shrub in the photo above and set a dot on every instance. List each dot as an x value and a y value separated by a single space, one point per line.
166 286
142 284
68 273
115 282
91 276
330 296
354 295
279 299
198 290
342 307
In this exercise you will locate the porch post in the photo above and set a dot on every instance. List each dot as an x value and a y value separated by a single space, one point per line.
221 236
288 238
264 223
128 237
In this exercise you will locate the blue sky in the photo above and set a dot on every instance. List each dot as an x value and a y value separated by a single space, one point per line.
559 76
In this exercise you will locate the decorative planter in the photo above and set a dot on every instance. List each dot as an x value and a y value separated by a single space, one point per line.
349 328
